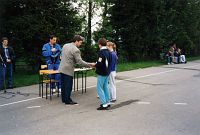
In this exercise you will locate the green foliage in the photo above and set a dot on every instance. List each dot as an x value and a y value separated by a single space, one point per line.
32 21
147 27
141 29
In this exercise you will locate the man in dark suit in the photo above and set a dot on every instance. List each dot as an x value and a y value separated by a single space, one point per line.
7 57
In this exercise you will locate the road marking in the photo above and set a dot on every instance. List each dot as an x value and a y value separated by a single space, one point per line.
180 103
154 74
30 107
143 103
21 101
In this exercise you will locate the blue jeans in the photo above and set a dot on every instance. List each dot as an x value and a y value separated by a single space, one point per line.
169 59
1 77
3 71
55 76
102 89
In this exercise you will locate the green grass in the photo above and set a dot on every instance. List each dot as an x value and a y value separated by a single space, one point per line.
137 65
25 78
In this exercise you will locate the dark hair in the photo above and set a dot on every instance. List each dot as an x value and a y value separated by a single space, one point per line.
52 36
77 38
102 41
4 38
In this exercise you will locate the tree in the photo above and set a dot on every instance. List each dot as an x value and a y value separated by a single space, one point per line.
31 21
88 9
147 27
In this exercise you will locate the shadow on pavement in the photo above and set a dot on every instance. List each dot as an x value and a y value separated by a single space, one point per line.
125 103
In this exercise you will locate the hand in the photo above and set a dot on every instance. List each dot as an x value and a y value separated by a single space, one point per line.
53 50
92 65
8 60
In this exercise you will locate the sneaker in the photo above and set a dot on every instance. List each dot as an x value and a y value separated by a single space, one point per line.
54 90
113 100
59 90
102 108
107 106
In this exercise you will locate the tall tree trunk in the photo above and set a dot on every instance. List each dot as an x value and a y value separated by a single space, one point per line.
89 35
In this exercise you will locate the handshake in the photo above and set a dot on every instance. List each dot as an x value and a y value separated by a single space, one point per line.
92 65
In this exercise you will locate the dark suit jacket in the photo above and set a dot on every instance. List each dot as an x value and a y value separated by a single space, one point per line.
11 53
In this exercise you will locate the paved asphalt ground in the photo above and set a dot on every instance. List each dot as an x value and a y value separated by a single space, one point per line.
153 101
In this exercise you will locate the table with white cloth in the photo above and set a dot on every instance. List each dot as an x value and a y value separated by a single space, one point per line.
83 73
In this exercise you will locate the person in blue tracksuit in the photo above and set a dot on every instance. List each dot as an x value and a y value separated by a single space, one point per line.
51 52
102 71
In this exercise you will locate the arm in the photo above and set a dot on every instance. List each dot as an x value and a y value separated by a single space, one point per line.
78 59
99 62
46 51
58 50
12 54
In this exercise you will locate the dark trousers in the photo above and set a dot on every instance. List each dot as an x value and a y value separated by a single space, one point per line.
3 71
66 87
1 77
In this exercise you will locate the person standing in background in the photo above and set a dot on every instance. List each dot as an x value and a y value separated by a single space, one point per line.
7 57
112 82
51 52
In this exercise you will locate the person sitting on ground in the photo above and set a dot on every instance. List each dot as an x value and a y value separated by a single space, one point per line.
181 57
170 55
176 54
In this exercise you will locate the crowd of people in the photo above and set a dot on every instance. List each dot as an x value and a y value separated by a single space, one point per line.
64 60
175 55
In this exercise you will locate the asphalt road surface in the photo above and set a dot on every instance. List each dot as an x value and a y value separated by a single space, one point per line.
161 100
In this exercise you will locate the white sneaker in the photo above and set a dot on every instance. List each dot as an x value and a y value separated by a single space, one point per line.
59 90
54 90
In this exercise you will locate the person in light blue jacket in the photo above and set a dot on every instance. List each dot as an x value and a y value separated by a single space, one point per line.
51 52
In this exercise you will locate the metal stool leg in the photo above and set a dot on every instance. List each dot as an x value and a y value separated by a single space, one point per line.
85 80
77 82
58 89
46 90
74 81
82 81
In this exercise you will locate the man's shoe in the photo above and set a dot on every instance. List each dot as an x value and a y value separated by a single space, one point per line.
72 103
9 87
102 108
